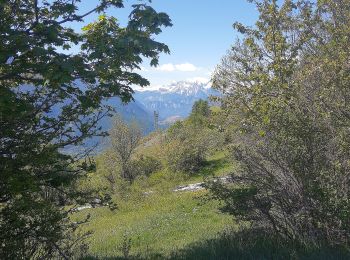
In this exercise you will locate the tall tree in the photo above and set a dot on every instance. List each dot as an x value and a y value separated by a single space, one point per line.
200 112
51 99
125 139
284 88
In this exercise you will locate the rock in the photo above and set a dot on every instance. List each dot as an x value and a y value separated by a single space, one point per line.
200 185
96 201
80 208
190 187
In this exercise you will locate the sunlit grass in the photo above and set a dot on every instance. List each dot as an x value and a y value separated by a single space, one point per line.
161 222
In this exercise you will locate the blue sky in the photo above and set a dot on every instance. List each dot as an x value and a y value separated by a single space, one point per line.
201 34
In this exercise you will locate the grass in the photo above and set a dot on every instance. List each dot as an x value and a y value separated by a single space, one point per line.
181 225
217 165
255 244
160 223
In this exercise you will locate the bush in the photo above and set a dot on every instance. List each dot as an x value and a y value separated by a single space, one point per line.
125 138
144 165
187 156
189 143
292 140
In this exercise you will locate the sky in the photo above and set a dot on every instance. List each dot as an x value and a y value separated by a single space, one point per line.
200 36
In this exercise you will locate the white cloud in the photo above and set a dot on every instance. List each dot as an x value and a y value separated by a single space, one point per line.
166 67
184 67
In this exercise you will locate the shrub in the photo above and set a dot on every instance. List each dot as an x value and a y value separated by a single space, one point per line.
290 106
188 144
144 165
186 156
125 138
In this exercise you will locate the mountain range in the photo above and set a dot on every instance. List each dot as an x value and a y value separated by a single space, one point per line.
172 102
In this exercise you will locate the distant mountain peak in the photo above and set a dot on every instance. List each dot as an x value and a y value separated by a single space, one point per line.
176 99
183 87
188 87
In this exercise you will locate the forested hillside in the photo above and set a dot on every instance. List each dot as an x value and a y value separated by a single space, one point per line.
251 164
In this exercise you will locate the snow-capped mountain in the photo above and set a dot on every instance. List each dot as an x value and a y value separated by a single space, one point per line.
187 88
173 102
175 99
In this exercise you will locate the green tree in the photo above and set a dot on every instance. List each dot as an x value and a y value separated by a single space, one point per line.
145 165
284 87
200 112
187 146
186 156
189 142
125 139
51 99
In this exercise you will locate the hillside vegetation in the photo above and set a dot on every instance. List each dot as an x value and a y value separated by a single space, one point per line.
259 171
150 218
157 223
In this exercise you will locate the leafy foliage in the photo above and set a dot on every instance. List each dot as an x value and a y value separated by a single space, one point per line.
189 142
125 139
284 86
186 156
51 100
145 165
200 112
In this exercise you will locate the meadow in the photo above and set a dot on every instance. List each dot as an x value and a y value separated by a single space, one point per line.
153 220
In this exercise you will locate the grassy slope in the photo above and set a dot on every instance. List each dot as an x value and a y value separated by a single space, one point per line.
161 222
169 225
